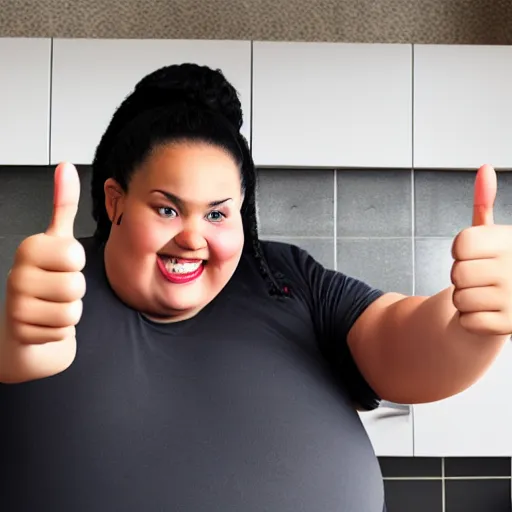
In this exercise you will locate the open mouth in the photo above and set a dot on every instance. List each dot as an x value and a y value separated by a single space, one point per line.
179 270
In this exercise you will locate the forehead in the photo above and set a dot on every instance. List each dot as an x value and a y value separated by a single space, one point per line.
190 169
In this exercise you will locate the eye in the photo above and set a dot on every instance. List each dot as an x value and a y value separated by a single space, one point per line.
215 216
167 212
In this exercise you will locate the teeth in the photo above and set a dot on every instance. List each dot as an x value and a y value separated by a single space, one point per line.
172 265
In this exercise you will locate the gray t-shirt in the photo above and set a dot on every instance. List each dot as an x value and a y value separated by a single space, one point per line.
247 407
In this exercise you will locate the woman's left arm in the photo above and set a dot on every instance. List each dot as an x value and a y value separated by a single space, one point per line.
423 349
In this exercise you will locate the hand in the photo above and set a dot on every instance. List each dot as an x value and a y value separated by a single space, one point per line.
482 270
44 291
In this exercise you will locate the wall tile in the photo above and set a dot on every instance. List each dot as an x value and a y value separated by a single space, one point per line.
385 263
374 203
478 496
414 495
477 466
403 467
433 263
503 205
296 203
443 202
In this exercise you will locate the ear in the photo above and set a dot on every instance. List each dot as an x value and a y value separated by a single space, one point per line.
114 199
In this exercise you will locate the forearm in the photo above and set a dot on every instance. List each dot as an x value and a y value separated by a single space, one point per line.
425 355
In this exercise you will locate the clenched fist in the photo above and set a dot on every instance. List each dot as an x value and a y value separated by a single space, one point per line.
44 291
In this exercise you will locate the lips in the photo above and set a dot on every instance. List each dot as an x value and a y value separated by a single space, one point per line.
180 270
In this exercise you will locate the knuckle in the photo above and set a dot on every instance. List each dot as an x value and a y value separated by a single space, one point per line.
17 330
456 298
29 250
462 242
77 284
71 286
17 279
456 274
71 313
17 308
74 254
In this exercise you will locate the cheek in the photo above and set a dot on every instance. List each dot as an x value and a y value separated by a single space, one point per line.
226 244
145 233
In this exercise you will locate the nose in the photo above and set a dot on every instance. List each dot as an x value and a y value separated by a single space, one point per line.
190 240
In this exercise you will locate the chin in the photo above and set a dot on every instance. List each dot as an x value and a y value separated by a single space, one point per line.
180 307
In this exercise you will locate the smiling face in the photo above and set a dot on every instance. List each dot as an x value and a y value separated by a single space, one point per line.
181 236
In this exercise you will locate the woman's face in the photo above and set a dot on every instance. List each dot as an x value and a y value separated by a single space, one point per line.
180 237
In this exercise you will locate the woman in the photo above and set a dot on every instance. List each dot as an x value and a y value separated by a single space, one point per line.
209 370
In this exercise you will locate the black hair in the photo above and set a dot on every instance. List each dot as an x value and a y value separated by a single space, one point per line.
184 102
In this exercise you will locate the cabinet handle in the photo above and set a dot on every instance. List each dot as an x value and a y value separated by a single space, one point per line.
394 409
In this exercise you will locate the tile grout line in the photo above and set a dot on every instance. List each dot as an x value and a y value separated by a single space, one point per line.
413 198
443 485
447 478
413 233
335 220
413 221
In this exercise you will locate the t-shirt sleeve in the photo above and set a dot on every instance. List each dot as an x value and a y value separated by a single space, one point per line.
336 301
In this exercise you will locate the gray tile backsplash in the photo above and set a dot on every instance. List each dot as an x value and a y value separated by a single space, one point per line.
393 229
433 262
443 201
26 200
385 263
296 203
373 203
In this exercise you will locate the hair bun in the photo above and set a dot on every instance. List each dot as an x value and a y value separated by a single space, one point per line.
191 83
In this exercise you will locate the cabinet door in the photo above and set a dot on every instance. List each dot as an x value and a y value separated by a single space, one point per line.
24 101
332 105
390 429
462 106
92 77
475 423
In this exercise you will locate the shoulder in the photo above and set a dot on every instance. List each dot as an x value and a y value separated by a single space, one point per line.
328 288
291 263
287 257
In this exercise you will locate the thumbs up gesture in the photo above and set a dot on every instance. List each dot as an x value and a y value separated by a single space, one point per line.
482 268
44 291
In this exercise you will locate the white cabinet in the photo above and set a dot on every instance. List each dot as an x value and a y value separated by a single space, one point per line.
332 104
24 101
91 77
390 429
475 423
462 106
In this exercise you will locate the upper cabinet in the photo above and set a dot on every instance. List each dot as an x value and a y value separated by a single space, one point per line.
24 101
462 106
91 78
332 105
474 423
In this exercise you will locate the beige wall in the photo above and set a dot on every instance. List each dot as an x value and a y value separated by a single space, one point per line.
414 21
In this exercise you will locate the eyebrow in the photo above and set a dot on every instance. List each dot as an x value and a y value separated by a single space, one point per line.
179 202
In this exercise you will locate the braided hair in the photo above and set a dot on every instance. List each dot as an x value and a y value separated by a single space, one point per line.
179 103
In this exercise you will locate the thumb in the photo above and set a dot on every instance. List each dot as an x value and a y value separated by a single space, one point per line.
65 200
485 195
